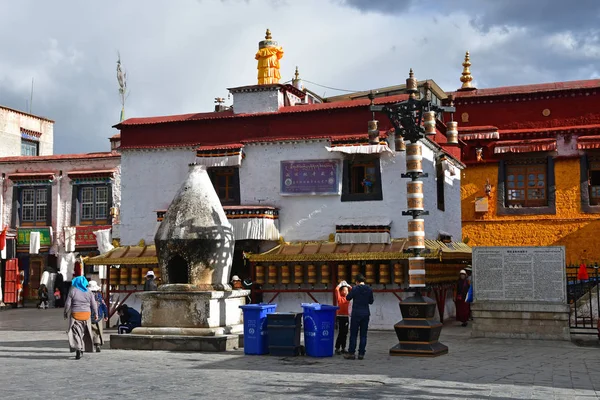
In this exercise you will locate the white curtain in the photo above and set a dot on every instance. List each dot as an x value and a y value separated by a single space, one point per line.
255 228
70 233
222 161
34 243
103 241
362 149
66 265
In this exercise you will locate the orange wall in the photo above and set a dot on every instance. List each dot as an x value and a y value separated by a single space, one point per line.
579 232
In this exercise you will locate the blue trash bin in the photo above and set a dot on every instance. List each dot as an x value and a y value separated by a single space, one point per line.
256 336
319 325
284 334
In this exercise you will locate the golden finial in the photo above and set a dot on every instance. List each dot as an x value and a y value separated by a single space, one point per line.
296 74
466 77
268 35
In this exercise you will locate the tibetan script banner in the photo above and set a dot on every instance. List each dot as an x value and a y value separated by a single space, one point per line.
24 233
84 235
310 177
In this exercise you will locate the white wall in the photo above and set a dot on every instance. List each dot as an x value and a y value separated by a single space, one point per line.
149 182
150 179
11 123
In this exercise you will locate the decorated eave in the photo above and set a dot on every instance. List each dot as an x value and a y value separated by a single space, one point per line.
31 178
225 155
524 146
126 255
96 175
588 142
331 251
479 133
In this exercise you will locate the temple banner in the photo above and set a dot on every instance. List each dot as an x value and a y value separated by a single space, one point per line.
84 235
24 233
310 177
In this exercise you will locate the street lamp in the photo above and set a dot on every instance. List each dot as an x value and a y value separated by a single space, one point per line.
414 119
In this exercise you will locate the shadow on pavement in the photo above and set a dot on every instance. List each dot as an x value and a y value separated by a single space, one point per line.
37 344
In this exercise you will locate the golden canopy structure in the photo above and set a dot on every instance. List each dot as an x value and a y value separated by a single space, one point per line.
268 55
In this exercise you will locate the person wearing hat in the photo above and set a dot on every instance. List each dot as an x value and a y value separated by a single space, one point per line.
460 298
342 317
150 284
236 282
102 316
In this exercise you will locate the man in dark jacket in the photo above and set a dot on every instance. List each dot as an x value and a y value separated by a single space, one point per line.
362 297
129 319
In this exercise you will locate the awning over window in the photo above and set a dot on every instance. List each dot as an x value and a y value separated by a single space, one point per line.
31 177
329 251
228 155
361 149
524 146
588 142
253 222
91 173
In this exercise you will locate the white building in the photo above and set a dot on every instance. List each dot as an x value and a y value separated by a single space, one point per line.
23 134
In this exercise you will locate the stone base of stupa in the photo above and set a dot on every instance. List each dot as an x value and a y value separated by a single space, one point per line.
179 318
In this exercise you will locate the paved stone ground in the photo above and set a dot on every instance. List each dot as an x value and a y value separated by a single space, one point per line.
35 364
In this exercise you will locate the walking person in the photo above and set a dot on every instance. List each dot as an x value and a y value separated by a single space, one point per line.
129 319
101 317
150 284
80 307
342 316
362 297
460 298
43 297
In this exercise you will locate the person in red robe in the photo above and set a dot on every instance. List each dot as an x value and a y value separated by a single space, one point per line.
460 298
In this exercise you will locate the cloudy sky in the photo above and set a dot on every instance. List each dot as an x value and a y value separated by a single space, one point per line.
180 55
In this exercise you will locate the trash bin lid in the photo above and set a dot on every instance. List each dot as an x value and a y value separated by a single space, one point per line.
319 306
261 306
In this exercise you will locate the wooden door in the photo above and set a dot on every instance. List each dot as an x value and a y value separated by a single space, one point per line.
36 267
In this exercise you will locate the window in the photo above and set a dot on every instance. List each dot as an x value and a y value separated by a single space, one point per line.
440 178
362 179
34 206
526 185
227 184
594 182
93 204
29 147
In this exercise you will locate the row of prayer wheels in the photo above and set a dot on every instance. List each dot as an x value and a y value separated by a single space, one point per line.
312 274
130 275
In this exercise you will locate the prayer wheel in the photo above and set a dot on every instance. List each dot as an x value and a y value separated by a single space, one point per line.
123 276
113 276
414 187
414 158
416 225
429 122
370 274
298 274
260 274
452 132
416 271
312 274
398 274
342 272
272 275
399 143
135 276
325 274
355 271
384 274
285 275
415 201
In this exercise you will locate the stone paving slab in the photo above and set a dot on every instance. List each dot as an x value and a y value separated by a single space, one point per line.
36 364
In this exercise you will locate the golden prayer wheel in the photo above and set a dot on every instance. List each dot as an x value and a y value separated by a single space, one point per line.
414 187
398 273
312 274
342 272
135 276
452 132
399 143
414 165
123 276
416 271
113 276
285 274
355 271
429 122
370 274
325 274
414 149
272 277
384 274
416 225
260 274
415 242
298 274
415 201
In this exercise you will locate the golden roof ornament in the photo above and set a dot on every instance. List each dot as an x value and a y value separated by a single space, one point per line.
466 77
411 85
268 55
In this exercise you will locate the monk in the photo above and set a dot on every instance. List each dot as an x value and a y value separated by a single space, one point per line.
460 298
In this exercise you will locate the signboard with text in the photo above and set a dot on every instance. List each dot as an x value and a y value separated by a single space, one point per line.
84 235
310 177
24 233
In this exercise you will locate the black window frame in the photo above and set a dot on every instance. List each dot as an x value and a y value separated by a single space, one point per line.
17 207
376 194
31 143
550 207
213 172
440 180
584 185
77 206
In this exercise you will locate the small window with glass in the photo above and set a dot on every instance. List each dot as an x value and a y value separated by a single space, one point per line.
594 182
226 184
93 204
34 206
526 185
362 179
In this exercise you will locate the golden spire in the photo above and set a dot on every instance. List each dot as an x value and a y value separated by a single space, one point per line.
296 74
466 77
268 35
